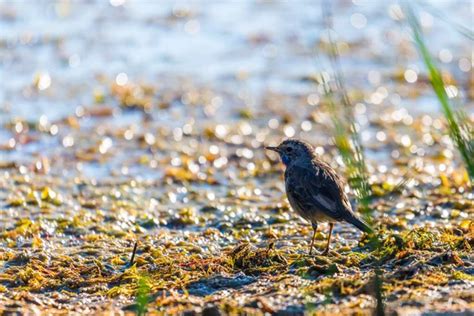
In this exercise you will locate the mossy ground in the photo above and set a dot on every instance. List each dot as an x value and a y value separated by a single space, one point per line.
214 229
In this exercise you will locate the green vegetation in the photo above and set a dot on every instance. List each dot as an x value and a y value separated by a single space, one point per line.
142 296
460 128
345 131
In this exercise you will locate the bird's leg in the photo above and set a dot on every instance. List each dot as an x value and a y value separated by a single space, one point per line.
315 228
325 252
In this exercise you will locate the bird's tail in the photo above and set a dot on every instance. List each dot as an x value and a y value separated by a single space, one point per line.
363 226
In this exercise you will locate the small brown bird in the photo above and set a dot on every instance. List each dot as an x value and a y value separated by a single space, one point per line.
314 189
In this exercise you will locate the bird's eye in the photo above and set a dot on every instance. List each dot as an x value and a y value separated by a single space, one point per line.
289 149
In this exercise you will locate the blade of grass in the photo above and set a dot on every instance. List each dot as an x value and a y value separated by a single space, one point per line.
463 145
378 283
132 258
346 136
142 298
467 128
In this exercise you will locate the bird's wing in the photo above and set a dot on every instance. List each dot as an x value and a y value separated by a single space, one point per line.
319 188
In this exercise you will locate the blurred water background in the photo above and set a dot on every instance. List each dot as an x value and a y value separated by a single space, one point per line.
57 56
65 45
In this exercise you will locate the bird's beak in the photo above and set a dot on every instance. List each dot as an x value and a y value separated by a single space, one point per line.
275 149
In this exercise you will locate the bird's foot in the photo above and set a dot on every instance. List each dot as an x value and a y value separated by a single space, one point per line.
325 252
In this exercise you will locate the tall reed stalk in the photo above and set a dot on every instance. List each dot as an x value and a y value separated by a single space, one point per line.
346 135
456 124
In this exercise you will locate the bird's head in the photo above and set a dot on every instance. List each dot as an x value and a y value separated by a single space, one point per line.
292 150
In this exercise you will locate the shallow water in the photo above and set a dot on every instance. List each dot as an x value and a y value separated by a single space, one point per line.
271 42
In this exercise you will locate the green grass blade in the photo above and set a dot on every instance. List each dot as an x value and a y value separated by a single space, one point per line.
346 136
143 293
463 144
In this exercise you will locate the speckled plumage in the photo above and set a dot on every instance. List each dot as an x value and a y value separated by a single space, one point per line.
314 189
